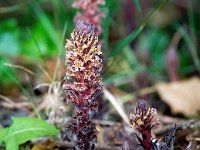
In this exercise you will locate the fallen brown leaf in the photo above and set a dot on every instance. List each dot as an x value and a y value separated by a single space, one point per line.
182 96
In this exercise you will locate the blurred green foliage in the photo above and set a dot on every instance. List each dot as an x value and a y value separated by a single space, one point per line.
33 35
35 31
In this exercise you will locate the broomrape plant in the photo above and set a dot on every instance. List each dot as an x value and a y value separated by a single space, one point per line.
143 119
83 83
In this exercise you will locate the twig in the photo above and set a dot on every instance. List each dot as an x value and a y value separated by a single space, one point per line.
116 105
8 103
42 85
181 126
105 122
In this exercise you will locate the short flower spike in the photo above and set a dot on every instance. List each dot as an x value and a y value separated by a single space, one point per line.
143 116
143 119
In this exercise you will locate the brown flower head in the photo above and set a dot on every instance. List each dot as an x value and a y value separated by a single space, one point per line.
143 117
84 64
90 12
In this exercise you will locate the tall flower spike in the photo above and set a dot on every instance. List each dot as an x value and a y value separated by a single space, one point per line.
143 119
83 83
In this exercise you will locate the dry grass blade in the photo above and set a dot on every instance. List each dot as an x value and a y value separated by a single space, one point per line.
119 108
8 103
20 67
42 85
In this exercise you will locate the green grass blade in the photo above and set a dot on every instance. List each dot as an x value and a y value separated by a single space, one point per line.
119 47
41 55
60 52
190 44
46 24
132 36
131 58
106 23
24 90
138 6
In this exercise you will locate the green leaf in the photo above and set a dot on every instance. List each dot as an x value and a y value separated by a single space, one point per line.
2 133
24 129
12 145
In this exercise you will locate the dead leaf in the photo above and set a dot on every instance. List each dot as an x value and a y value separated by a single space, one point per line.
182 97
47 145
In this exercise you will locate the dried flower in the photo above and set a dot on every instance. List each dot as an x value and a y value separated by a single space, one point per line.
83 82
90 12
143 119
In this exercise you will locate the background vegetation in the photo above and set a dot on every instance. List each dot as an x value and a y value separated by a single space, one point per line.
137 39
